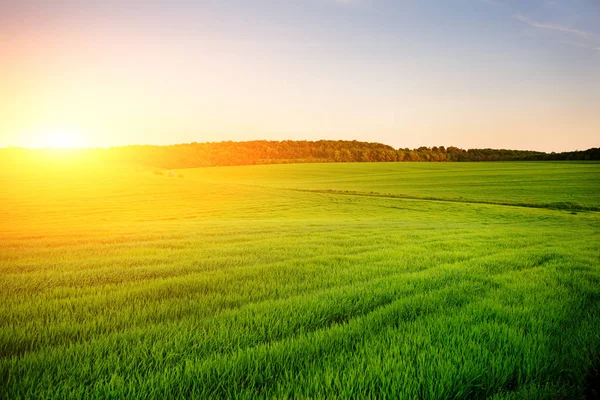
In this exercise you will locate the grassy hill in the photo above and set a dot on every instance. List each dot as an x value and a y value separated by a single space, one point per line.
308 280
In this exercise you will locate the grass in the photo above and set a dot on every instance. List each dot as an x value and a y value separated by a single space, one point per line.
365 280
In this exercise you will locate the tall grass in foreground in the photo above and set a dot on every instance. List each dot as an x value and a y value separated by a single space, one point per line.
137 285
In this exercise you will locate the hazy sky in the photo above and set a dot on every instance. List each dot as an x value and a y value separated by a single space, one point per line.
470 73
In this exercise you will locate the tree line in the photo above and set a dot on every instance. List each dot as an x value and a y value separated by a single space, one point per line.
300 151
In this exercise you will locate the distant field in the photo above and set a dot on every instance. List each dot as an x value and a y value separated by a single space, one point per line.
527 183
379 280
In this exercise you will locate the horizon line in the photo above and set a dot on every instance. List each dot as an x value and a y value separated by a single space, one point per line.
74 148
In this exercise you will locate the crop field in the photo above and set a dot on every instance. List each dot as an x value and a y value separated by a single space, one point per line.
367 280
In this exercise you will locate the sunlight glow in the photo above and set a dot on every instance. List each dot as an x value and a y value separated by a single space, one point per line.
60 139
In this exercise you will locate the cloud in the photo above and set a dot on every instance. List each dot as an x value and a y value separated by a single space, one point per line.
555 27
587 40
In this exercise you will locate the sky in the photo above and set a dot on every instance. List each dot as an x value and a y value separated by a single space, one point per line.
467 73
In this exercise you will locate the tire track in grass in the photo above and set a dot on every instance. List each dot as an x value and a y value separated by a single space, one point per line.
326 293
410 308
233 306
259 367
159 320
568 206
468 312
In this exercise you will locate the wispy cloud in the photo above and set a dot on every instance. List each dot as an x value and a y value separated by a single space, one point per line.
532 22
550 26
586 40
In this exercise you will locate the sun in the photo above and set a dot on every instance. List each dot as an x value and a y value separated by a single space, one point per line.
60 139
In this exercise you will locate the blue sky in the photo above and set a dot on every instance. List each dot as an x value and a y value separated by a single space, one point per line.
469 73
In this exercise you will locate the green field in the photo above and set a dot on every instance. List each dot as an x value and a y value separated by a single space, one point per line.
386 280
